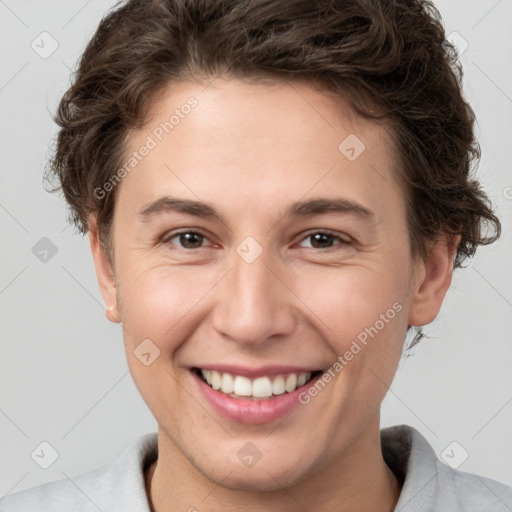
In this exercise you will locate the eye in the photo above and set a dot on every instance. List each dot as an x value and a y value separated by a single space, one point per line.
194 240
324 240
187 239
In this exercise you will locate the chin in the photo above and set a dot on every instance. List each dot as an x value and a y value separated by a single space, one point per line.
257 482
262 477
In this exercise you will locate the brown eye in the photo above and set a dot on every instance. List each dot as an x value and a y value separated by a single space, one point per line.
186 239
325 240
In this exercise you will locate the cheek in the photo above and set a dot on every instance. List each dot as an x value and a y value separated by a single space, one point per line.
159 301
354 302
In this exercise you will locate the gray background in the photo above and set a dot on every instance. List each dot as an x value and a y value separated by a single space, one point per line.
63 372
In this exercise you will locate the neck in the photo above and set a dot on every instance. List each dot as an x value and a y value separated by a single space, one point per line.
358 479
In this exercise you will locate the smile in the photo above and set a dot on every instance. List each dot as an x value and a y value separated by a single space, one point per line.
263 387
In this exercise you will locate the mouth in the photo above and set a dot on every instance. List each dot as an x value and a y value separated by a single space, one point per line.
260 388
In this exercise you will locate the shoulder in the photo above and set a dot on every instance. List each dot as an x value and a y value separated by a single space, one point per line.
431 485
59 496
118 486
473 492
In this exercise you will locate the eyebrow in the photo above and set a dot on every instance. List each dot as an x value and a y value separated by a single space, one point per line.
299 208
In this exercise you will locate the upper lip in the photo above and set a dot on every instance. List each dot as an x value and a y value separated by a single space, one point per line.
254 372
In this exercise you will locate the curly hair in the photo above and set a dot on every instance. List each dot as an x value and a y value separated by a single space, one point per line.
389 59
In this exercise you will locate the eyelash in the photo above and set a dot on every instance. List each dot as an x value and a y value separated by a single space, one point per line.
342 242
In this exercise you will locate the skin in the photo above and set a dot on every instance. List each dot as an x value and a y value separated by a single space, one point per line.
250 151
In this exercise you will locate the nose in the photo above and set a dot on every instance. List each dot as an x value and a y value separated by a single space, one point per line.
253 303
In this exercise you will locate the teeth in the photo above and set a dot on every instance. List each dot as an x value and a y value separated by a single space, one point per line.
228 383
301 379
242 386
262 387
291 383
278 385
216 380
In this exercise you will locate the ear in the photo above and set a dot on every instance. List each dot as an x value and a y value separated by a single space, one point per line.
104 272
433 277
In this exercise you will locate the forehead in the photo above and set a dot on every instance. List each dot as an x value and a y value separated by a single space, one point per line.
236 141
238 111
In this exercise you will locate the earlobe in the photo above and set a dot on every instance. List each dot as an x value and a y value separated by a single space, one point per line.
104 273
112 314
434 276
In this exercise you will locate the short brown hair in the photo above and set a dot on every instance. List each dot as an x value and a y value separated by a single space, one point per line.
389 59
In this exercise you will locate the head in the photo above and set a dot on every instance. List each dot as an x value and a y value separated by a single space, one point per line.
271 183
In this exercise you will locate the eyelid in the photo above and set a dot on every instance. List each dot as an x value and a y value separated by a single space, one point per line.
345 239
172 234
303 236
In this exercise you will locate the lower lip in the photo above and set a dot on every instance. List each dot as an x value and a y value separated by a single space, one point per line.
252 411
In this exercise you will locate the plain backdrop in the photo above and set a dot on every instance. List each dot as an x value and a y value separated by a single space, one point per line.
64 379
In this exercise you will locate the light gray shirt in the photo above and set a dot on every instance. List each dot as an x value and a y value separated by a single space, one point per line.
428 484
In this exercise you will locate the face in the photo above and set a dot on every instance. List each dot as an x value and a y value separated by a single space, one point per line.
257 240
